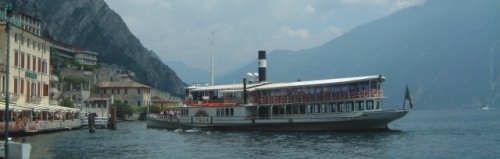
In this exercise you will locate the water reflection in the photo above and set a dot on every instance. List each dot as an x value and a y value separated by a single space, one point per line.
157 143
291 145
424 134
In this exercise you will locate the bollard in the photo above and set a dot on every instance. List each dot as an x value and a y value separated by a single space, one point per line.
112 122
91 120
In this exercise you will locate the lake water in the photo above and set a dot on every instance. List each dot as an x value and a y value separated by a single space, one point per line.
421 134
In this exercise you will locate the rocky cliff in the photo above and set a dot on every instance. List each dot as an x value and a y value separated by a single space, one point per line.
92 25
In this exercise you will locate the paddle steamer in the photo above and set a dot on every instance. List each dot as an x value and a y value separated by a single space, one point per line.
351 103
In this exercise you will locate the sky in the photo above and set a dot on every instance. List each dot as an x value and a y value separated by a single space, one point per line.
188 31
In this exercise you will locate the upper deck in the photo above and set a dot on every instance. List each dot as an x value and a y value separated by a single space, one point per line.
218 95
264 93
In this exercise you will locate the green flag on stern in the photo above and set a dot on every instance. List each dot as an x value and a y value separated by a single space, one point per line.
408 97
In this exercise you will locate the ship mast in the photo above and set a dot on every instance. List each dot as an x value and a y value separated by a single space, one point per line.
212 59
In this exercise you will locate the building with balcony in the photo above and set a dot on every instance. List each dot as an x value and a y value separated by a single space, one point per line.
24 21
27 57
28 62
164 100
73 53
129 92
98 104
165 103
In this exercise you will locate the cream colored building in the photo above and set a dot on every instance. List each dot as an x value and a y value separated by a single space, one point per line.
74 53
29 60
28 22
129 92
27 57
24 21
164 103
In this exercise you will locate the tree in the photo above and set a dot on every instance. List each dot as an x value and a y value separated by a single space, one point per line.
66 102
74 80
144 110
152 109
122 109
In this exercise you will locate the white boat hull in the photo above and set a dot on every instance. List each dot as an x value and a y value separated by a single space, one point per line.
374 120
16 150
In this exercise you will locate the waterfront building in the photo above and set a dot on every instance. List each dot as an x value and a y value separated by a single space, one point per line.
165 103
76 85
98 104
164 100
54 91
27 22
160 93
29 82
73 53
29 72
107 72
129 92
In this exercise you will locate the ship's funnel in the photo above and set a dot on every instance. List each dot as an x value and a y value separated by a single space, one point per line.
262 65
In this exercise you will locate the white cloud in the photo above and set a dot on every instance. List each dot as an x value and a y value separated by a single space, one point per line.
148 3
401 4
334 30
310 8
181 30
392 5
298 33
328 33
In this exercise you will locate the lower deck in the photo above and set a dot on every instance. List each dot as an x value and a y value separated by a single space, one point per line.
305 122
285 110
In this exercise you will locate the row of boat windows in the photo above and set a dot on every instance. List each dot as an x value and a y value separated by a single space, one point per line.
313 90
328 107
333 107
365 86
220 112
225 112
184 112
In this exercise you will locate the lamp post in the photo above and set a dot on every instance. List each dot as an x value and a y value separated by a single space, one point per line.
7 6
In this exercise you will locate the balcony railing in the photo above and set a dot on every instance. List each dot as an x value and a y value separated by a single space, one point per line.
34 99
324 97
12 97
53 102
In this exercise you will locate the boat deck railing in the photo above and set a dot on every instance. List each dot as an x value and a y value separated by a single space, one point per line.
303 98
214 102
317 97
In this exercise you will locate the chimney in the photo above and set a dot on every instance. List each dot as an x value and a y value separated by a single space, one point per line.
262 65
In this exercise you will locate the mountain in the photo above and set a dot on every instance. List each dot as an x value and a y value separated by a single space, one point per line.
92 25
189 74
447 51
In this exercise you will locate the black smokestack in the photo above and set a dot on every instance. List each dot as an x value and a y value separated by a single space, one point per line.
262 65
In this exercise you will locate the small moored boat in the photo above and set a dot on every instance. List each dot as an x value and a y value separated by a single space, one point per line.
485 107
17 150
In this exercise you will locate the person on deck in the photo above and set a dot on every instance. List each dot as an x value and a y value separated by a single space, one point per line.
171 113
